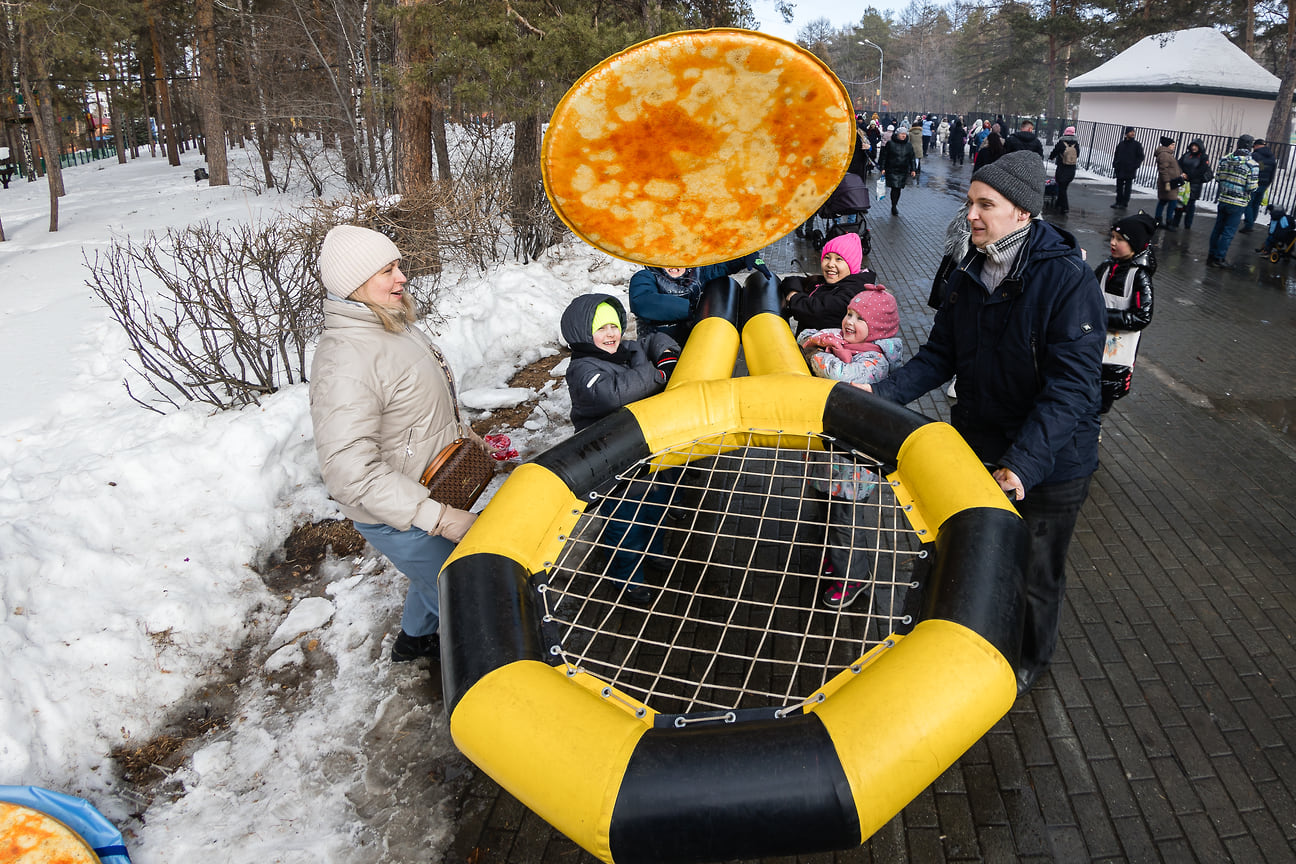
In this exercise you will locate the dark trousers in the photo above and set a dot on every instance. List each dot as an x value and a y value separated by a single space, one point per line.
1050 513
632 528
1253 207
1124 188
895 197
1064 175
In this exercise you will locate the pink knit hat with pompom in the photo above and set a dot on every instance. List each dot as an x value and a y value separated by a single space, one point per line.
849 248
877 306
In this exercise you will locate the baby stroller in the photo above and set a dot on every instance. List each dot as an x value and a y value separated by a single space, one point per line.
1050 192
844 211
1282 235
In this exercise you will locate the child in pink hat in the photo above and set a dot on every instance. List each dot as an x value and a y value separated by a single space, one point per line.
821 305
863 348
861 351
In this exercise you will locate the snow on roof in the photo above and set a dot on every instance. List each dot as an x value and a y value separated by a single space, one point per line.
1200 60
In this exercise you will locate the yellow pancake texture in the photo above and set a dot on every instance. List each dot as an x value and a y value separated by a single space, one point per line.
29 836
697 147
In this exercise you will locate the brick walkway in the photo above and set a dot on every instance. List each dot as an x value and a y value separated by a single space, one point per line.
1165 729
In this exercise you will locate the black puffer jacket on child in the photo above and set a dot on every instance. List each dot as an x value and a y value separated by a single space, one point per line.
599 382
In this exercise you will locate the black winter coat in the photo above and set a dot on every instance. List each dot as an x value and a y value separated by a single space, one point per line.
1268 163
1127 158
957 136
1023 140
599 382
897 161
1197 167
1028 360
822 306
1062 145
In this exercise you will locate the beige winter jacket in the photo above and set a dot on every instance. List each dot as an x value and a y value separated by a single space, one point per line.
382 408
1167 171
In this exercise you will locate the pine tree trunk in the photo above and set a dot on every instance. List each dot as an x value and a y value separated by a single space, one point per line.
213 123
413 112
441 144
163 92
31 64
118 121
529 216
53 170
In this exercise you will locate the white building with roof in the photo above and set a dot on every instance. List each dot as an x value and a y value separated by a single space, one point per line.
1189 79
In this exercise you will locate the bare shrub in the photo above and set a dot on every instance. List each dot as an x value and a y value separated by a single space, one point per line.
224 316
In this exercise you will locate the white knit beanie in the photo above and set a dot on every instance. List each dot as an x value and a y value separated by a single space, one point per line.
350 255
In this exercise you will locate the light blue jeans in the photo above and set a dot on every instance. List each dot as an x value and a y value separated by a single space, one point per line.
419 556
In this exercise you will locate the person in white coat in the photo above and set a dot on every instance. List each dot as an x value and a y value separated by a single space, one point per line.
383 406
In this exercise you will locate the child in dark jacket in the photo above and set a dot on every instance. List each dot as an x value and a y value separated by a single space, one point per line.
823 305
608 372
1126 280
665 299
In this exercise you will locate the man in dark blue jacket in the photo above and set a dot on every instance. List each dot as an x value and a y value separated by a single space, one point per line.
1023 327
1261 153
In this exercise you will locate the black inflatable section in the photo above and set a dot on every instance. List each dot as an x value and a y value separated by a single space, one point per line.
488 620
871 424
751 790
977 577
591 458
760 294
719 300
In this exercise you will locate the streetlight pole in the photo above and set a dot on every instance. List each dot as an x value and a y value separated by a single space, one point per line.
879 87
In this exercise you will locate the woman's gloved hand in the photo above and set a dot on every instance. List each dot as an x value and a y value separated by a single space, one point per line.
454 524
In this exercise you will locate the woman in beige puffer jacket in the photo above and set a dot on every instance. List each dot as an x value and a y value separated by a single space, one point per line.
383 405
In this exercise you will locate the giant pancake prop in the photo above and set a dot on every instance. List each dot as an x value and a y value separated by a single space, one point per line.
730 715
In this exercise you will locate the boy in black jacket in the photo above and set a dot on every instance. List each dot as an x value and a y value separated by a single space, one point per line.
608 372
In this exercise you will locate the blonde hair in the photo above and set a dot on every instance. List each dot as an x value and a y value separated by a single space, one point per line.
392 320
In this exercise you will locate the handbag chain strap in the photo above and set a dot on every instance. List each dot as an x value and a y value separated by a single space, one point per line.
450 382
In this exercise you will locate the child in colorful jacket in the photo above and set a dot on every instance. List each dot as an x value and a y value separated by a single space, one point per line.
862 351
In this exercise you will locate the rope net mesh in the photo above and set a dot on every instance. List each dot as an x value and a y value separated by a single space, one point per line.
701 589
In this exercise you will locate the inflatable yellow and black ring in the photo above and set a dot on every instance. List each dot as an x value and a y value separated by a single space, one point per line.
591 762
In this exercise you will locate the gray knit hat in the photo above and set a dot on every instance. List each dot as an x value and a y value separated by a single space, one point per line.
1019 177
350 255
1245 142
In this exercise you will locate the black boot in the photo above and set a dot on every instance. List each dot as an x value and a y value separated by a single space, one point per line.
407 647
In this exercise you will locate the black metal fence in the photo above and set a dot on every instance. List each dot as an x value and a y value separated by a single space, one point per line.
1098 143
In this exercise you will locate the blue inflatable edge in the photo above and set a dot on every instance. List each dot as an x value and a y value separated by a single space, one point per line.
76 813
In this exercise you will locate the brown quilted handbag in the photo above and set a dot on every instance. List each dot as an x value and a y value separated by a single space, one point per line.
459 473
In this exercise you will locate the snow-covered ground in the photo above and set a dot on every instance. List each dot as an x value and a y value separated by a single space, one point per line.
129 598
